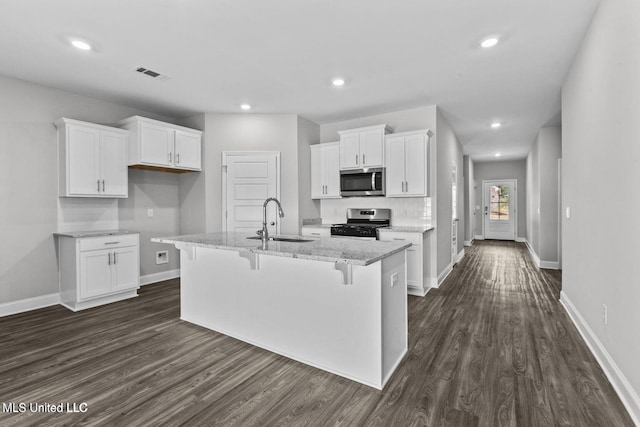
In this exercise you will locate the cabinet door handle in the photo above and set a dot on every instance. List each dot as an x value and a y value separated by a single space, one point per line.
98 181
363 160
177 158
315 234
111 243
169 156
402 183
103 186
114 258
406 186
109 256
356 159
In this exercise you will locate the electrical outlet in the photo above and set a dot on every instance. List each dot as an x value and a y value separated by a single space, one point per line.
162 257
604 314
394 279
149 213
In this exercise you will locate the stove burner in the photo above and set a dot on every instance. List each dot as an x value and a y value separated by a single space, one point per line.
362 223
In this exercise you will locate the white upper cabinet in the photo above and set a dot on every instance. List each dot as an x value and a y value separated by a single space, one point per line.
363 147
163 146
407 166
325 171
92 160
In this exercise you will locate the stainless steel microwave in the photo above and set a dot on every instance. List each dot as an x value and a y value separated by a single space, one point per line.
362 182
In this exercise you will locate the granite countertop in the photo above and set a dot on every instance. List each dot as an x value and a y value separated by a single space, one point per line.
317 226
94 233
346 251
409 228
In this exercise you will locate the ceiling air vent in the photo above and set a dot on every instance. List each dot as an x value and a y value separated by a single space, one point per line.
151 73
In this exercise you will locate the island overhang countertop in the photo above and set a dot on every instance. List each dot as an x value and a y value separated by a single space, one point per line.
340 250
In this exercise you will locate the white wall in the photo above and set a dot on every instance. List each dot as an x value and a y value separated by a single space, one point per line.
505 169
31 211
308 134
449 150
543 193
601 173
287 133
469 200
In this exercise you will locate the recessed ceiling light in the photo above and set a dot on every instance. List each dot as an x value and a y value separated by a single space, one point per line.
337 82
489 42
498 154
79 44
245 107
496 125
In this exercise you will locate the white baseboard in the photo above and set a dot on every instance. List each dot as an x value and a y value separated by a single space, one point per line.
15 307
551 265
148 279
468 242
627 394
479 237
521 240
442 276
534 255
460 256
418 292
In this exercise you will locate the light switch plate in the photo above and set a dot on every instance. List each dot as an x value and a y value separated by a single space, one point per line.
149 213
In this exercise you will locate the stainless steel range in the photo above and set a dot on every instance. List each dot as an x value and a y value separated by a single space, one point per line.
362 223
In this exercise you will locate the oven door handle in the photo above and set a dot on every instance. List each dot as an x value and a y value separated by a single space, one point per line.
373 181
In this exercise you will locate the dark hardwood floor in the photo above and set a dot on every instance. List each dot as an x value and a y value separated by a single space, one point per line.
491 347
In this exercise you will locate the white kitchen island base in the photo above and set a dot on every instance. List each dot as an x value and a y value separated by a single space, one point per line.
302 308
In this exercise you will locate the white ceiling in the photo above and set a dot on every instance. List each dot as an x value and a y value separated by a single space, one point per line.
280 56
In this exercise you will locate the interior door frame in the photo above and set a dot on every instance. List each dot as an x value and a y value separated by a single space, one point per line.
223 171
514 181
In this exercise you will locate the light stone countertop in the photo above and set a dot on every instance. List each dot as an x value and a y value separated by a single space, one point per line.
94 233
408 228
346 251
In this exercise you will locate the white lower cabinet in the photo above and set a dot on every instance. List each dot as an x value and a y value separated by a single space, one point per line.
98 270
417 258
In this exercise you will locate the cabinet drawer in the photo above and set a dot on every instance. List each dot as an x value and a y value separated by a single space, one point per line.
414 238
106 242
316 231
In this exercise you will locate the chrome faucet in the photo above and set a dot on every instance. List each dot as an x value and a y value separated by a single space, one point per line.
264 232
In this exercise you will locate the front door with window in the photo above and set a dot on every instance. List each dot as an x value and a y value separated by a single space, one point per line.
500 210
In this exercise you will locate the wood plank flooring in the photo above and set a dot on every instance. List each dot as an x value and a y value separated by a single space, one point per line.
491 347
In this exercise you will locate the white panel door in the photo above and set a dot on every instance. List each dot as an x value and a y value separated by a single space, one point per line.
332 171
395 166
500 210
83 160
415 147
188 148
250 180
113 164
350 151
95 273
372 148
156 144
125 267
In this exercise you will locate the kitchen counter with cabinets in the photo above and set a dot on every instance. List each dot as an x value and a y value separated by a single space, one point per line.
337 304
98 267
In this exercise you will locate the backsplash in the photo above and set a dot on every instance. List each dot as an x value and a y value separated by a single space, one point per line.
405 210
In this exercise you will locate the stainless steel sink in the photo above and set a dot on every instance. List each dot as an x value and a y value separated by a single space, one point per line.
282 239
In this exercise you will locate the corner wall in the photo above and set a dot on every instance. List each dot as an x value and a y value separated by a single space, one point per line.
600 158
543 191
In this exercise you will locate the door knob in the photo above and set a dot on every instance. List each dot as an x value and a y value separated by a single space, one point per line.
272 223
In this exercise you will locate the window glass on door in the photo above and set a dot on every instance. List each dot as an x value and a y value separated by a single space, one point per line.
499 202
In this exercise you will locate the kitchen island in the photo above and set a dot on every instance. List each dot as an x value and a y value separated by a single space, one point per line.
337 304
